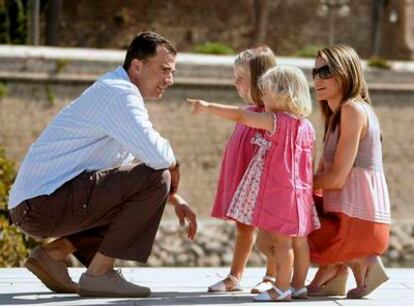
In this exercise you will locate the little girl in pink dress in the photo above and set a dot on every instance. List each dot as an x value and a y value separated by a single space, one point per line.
249 65
275 193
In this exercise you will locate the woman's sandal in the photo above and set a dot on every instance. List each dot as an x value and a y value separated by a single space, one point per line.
335 286
221 286
374 277
299 294
281 296
266 284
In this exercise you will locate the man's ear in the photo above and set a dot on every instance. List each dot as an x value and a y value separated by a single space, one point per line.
136 65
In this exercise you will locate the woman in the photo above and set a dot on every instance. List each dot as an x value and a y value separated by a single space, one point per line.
356 209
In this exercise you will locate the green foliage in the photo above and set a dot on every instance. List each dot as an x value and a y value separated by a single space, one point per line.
51 97
3 90
13 22
308 51
378 62
14 244
213 48
60 64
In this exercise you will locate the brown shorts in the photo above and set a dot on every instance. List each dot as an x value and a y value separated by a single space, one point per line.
115 211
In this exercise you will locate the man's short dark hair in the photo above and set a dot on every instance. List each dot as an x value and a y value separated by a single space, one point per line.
145 45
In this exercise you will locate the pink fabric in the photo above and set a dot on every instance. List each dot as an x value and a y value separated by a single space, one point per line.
285 203
237 155
364 196
365 193
244 200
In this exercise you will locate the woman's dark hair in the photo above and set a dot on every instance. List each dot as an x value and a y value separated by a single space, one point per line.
144 45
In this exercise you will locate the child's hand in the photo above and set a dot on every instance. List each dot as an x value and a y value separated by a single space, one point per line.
198 105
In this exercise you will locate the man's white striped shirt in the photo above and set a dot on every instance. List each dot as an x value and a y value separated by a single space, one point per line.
107 126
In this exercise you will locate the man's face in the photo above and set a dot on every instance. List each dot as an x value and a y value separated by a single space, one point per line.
155 74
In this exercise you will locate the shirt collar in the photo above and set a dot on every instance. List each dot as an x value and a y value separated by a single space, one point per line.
121 73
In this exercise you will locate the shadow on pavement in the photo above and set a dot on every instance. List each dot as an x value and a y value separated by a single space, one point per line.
161 298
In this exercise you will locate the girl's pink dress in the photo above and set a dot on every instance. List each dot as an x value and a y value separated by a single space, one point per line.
275 194
237 155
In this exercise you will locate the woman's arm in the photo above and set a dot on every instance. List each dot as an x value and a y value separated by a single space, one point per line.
252 119
353 120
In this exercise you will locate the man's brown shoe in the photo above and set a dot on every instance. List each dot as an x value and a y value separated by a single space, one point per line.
53 273
111 284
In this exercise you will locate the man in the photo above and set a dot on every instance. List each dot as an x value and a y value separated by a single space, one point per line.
77 182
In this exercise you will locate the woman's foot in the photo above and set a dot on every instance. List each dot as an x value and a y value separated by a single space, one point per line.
266 284
329 281
373 275
230 283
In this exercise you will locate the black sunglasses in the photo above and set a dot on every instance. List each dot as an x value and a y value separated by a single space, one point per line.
323 72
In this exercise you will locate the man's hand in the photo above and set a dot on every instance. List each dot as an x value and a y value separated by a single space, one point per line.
175 180
184 214
198 105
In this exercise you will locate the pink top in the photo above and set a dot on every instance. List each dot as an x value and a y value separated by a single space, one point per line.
237 155
275 194
365 193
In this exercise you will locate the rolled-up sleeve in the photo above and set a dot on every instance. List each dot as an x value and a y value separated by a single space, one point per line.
126 120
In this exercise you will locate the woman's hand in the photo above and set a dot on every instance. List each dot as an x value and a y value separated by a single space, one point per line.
198 105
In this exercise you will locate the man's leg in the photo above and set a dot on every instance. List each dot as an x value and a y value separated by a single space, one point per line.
84 208
130 235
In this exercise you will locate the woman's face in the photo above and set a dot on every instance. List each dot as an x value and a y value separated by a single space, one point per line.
327 86
242 81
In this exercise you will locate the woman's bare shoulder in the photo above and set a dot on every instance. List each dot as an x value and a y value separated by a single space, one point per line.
353 111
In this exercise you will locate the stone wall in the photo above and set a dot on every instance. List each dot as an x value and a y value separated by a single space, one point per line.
213 246
292 25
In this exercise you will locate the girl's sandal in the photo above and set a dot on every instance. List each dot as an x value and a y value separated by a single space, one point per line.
300 294
274 295
266 284
221 286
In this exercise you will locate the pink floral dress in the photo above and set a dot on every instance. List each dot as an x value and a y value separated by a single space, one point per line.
275 193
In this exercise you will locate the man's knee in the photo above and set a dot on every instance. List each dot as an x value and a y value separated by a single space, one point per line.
162 181
166 181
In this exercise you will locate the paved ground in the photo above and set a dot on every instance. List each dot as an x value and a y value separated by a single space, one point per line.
186 286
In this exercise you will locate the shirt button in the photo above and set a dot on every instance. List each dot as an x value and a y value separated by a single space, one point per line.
84 205
25 212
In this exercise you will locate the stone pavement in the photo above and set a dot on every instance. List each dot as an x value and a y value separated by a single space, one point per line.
187 286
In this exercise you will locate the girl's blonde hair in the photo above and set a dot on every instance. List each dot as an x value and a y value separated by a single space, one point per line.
345 65
290 88
257 60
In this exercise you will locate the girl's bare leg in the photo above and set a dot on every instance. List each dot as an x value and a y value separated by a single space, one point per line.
301 262
284 260
242 248
265 245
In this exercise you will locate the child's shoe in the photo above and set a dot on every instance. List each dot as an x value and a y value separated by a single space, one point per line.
266 284
230 283
274 295
300 294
